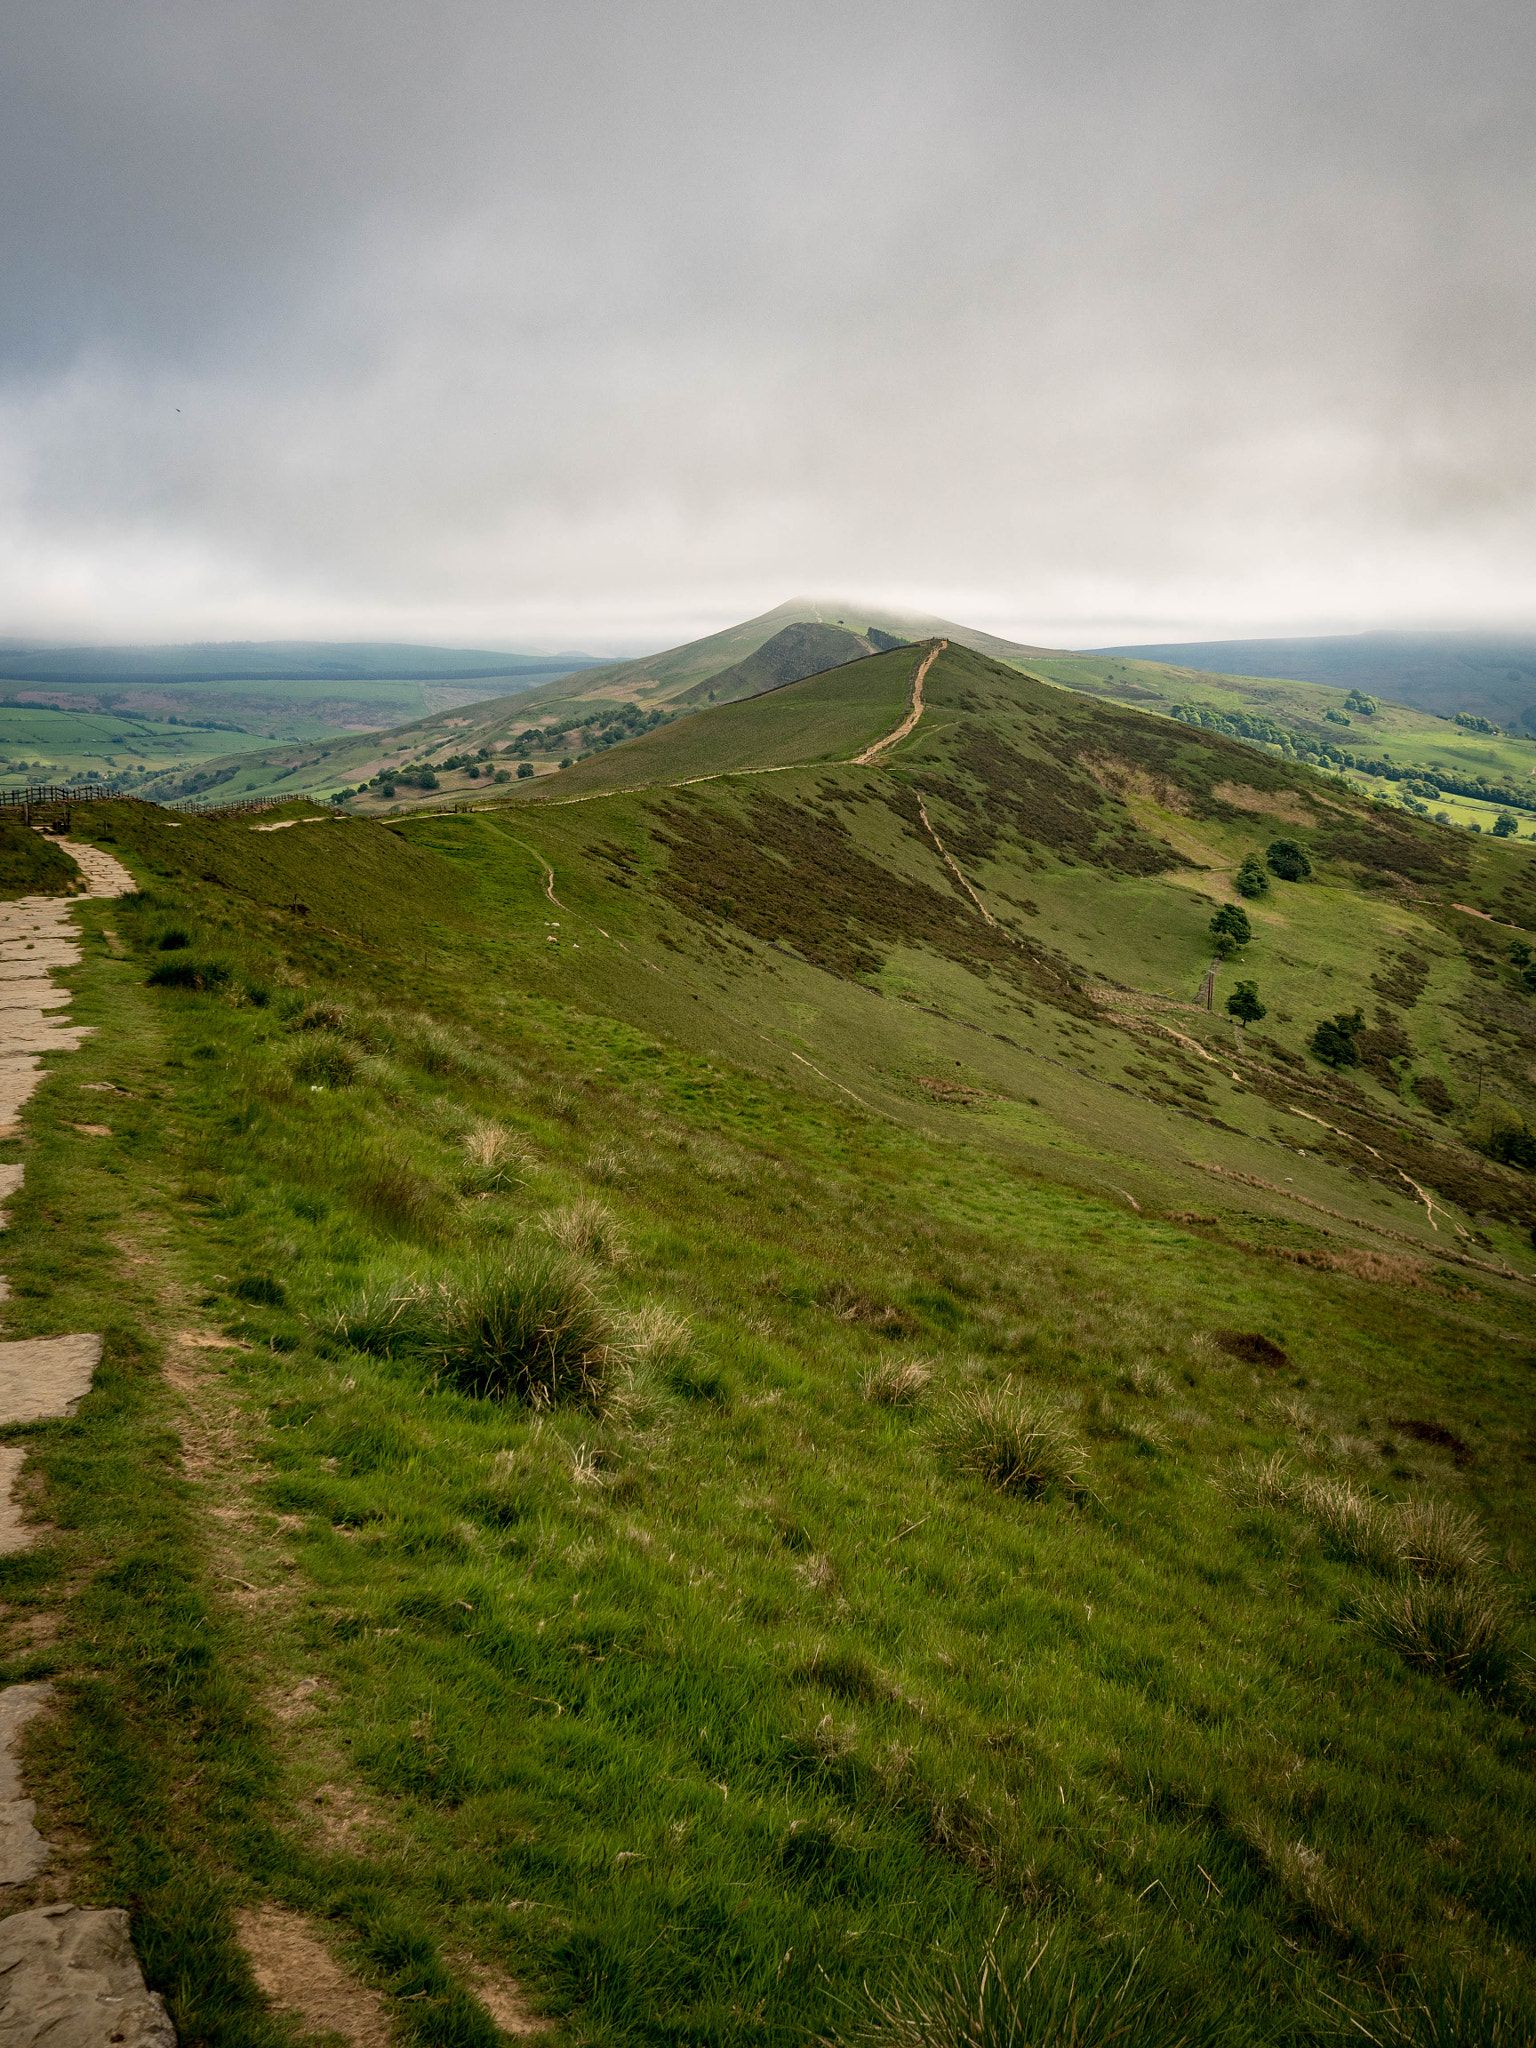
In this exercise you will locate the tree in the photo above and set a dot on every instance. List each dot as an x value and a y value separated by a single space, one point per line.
1520 953
1230 928
1288 860
1251 878
1357 700
1244 1004
1504 825
524 768
1528 976
1333 1042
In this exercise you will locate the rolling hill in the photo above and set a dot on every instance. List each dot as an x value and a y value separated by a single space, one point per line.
1491 675
728 1414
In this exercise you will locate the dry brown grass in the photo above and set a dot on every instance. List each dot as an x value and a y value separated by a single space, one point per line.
588 1230
1437 1541
494 1160
897 1382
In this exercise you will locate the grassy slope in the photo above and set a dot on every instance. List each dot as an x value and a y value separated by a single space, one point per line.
31 865
1412 738
702 1714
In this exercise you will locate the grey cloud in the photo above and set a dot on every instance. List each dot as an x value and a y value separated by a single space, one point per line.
607 323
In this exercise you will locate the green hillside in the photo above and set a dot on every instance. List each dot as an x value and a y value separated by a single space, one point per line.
792 653
1471 775
725 1401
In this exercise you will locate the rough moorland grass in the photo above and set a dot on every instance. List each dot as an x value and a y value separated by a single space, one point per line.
741 1697
1014 1442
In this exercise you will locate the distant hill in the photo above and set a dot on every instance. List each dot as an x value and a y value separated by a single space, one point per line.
671 675
793 653
108 668
1487 674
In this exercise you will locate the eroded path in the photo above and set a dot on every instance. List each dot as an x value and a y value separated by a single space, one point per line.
68 1974
914 710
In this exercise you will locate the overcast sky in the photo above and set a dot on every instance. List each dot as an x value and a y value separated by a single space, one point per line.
598 325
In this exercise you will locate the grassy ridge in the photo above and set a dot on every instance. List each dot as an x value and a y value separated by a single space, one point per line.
697 1707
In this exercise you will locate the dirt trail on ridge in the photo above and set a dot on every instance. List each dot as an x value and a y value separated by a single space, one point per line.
914 712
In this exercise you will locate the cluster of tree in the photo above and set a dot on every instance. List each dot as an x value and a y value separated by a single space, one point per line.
1429 789
1230 930
625 722
1418 790
548 737
1469 723
1282 857
1334 1042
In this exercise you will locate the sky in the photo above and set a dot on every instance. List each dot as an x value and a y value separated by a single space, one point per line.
598 326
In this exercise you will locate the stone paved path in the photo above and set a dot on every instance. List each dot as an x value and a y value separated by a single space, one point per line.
68 1975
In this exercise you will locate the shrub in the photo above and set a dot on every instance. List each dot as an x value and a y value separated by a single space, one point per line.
1016 1445
173 940
898 1382
198 974
1459 1632
589 1231
1333 1042
1504 1135
326 1061
1252 878
1434 1094
1288 860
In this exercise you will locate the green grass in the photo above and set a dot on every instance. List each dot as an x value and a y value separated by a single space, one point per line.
735 1699
31 865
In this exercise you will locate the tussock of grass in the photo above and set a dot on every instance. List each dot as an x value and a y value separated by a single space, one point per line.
1459 1632
395 1197
658 1336
897 1382
1015 1444
325 1060
528 1326
494 1161
1354 1525
195 973
1437 1541
588 1230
